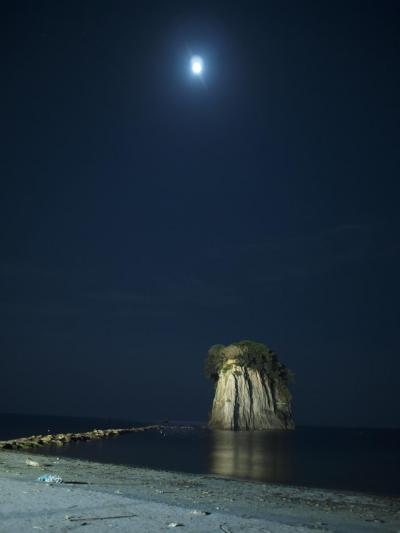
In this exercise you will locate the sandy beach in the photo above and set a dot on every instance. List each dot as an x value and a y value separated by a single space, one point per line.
103 497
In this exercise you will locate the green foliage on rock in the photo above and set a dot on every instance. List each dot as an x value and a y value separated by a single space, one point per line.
247 354
214 361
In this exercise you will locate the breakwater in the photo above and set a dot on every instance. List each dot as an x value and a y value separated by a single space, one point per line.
59 439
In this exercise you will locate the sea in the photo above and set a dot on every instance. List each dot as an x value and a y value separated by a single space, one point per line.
362 460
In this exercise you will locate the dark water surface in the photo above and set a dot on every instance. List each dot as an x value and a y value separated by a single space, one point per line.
366 460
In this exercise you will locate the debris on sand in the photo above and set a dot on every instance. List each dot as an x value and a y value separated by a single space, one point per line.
29 462
50 478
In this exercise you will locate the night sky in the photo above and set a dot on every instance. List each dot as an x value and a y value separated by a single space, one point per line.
146 214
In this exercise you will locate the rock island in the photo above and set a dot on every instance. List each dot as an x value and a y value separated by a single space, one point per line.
251 388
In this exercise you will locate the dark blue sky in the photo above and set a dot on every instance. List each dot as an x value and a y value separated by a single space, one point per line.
145 216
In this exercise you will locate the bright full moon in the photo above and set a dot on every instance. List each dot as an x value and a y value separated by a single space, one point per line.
197 65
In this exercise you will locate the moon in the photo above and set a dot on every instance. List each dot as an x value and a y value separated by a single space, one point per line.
196 64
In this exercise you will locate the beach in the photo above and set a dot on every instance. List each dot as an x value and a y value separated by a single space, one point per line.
104 497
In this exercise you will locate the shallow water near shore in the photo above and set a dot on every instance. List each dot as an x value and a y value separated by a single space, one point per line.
362 460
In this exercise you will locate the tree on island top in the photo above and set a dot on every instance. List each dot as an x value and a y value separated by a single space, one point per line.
247 354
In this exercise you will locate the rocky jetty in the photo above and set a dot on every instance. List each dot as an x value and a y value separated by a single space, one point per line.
59 439
251 390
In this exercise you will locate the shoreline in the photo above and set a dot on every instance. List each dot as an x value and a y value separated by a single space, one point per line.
102 495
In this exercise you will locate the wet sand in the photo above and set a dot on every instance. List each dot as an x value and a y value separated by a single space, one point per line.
104 497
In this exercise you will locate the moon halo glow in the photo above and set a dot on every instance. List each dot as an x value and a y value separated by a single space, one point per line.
196 64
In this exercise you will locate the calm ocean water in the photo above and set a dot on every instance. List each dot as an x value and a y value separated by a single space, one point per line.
366 460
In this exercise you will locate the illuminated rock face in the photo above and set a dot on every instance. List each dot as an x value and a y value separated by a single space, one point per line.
245 399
